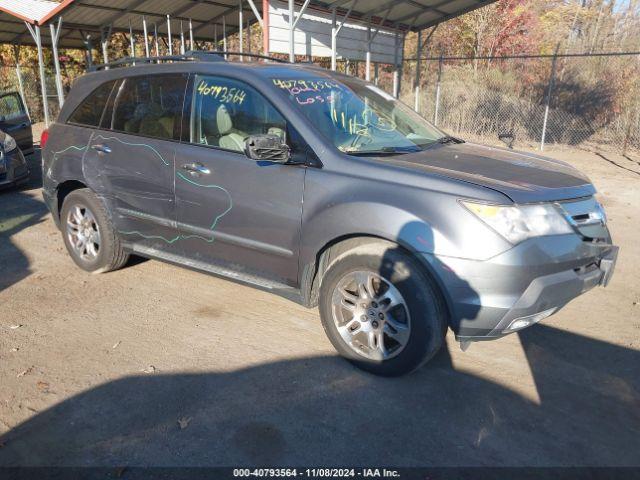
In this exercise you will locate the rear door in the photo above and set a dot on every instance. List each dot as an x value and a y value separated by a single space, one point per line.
232 211
15 121
132 155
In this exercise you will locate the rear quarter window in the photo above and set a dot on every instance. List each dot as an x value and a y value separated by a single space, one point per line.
89 112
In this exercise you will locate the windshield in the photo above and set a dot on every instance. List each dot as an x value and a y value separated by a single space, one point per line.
358 117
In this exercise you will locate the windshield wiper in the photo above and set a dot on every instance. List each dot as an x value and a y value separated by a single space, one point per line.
443 141
383 151
449 139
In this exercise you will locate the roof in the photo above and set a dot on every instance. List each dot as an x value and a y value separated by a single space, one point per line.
89 16
28 10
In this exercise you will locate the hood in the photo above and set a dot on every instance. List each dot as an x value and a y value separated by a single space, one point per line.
523 177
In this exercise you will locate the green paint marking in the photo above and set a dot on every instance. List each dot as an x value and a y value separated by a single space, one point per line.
178 174
215 221
135 145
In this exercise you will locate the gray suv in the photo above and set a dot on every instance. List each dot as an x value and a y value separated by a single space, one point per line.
324 189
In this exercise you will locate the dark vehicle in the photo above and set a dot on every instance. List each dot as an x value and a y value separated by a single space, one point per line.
322 188
13 166
14 120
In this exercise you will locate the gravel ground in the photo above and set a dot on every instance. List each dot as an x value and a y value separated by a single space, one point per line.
158 365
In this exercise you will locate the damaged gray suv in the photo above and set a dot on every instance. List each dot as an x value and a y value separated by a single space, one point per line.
324 189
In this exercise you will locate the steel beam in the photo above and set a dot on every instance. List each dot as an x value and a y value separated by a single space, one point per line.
35 33
55 35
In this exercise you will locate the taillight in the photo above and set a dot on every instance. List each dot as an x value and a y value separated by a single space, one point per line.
43 138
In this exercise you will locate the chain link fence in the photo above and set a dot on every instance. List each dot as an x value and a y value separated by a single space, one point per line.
586 101
590 102
26 81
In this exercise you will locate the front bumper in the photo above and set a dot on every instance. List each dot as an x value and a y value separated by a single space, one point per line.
13 168
492 298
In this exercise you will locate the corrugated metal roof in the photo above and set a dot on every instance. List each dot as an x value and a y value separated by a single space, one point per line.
28 10
89 16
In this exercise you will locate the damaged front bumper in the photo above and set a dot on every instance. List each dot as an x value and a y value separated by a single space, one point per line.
520 287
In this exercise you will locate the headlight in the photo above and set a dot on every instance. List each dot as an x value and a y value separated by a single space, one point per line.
9 143
517 223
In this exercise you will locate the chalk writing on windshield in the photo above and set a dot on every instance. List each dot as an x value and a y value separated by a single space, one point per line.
347 112
307 92
222 93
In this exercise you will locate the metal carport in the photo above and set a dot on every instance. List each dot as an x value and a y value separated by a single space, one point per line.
82 23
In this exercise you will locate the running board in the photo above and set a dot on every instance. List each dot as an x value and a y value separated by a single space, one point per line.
278 288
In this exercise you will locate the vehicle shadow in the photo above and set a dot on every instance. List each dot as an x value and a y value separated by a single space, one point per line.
321 411
19 210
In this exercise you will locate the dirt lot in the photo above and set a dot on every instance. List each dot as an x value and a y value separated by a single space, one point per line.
157 365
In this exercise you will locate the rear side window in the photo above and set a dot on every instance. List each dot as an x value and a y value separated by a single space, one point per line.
89 112
11 106
151 106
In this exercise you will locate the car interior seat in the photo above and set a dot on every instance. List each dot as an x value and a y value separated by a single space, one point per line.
156 123
230 138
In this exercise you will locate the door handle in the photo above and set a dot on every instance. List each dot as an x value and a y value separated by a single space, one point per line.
101 148
196 168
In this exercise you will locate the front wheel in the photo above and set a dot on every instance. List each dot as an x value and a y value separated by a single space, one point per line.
381 310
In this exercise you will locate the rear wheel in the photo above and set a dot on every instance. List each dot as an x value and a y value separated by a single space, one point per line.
88 234
381 310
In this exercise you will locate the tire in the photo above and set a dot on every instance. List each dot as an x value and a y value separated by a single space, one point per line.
393 271
107 253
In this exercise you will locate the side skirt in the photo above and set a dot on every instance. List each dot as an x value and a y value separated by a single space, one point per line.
223 271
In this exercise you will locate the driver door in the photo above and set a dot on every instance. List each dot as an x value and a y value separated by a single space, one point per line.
233 212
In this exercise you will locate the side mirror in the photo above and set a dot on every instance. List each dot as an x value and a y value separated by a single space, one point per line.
507 138
268 148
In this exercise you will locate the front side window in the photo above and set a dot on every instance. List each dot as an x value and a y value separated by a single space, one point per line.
150 106
356 116
224 112
11 106
89 112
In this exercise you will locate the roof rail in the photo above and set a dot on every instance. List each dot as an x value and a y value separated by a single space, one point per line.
133 60
203 55
190 56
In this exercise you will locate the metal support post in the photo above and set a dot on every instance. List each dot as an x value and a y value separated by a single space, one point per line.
55 35
105 34
367 66
181 39
146 36
169 35
416 83
335 30
396 72
191 45
132 45
224 36
156 45
35 33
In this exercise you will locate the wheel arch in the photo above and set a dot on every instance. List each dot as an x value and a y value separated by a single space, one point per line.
313 271
63 190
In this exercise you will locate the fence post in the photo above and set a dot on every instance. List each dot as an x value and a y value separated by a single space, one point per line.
552 79
437 109
416 83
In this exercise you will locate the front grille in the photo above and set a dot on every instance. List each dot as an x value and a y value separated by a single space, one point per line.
587 216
